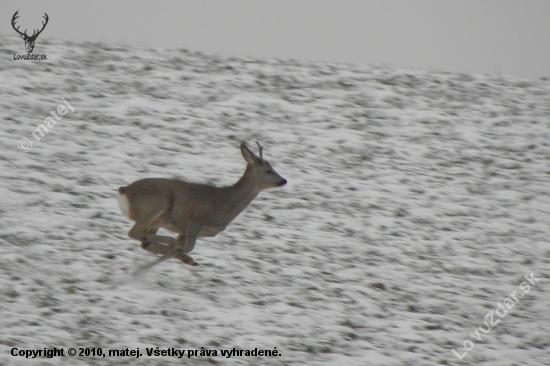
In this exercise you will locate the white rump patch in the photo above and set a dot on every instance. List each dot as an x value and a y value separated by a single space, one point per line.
123 204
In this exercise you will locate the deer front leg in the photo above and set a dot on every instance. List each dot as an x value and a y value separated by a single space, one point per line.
191 235
181 255
186 243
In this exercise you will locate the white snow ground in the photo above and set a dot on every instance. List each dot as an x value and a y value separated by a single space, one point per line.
416 202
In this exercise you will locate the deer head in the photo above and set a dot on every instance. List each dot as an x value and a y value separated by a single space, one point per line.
29 40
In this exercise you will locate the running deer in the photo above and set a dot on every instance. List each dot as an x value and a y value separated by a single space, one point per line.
189 209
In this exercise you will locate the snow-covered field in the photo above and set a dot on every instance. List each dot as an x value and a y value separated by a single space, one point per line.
416 202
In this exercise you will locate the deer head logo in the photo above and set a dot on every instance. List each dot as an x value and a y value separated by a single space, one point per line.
29 40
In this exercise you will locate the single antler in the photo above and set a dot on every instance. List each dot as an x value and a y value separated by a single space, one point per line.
15 16
43 26
260 149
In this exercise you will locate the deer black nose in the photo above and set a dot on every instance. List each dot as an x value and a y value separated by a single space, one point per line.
282 183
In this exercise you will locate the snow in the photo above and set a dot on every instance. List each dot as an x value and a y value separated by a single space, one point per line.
416 202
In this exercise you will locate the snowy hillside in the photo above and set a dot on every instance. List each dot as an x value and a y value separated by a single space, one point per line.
416 202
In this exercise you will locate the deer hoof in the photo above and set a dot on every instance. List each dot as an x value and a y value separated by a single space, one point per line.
186 259
145 243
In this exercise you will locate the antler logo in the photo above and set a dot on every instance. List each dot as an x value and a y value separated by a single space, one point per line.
29 40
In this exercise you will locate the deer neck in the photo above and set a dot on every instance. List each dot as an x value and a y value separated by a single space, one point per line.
241 194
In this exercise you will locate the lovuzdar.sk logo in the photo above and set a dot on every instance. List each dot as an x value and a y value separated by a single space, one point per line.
29 40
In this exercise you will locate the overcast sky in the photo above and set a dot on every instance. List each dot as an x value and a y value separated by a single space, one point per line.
474 36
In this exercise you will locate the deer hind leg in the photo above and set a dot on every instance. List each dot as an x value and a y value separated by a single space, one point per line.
156 248
164 250
141 231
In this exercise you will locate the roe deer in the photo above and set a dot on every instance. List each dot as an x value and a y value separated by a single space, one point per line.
189 209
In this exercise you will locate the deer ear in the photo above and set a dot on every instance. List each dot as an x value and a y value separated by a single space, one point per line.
248 155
